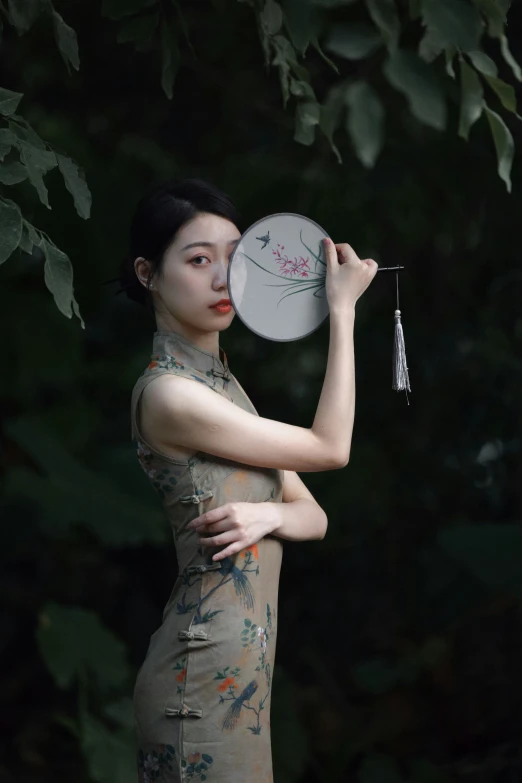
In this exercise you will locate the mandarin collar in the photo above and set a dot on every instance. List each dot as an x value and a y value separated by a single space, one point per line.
174 344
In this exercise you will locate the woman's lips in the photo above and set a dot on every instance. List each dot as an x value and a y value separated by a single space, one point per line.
222 308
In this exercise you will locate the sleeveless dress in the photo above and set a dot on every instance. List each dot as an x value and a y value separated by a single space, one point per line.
202 696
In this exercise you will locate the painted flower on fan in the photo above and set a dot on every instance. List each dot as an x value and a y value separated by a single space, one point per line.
181 675
252 549
193 758
150 764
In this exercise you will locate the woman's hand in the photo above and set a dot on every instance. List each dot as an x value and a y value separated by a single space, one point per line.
239 525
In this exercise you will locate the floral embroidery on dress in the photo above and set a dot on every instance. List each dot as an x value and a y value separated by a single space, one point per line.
253 638
152 765
164 479
181 676
196 766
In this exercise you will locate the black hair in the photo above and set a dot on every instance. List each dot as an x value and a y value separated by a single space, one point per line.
159 214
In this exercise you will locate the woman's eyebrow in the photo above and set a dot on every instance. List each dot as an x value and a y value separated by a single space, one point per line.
209 244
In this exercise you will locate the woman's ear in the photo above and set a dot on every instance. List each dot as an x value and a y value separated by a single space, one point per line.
142 271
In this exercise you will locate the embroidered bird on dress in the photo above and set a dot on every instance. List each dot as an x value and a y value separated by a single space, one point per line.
234 711
241 582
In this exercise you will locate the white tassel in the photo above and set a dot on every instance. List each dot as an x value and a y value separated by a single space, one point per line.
401 380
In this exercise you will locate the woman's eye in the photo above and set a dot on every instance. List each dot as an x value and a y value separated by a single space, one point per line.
196 258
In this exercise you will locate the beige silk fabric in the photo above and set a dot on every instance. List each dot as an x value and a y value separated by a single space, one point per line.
202 695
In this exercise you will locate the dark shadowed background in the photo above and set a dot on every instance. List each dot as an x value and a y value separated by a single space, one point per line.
398 652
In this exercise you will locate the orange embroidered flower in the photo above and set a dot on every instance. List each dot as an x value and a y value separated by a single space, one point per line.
193 758
226 682
152 365
181 676
252 549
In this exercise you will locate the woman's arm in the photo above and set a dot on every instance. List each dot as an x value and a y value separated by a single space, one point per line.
299 520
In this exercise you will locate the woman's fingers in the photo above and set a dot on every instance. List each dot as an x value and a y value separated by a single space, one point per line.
220 539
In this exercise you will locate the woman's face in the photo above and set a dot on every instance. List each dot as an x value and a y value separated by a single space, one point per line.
193 276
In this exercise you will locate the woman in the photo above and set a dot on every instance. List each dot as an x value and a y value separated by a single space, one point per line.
227 481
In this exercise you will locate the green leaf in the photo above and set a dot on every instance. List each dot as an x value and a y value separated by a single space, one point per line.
505 92
75 183
331 115
384 14
449 54
271 17
23 13
23 132
73 641
504 145
491 552
117 9
496 13
508 57
431 45
29 237
58 276
169 58
472 98
67 41
12 173
10 228
456 22
354 42
9 101
307 116
37 162
139 30
365 122
417 81
317 47
483 63
7 141
302 22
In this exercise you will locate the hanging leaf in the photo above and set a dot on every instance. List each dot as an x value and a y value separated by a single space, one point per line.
10 228
455 21
58 276
331 115
365 122
505 92
472 98
495 12
9 101
73 642
315 44
483 63
12 173
384 15
23 13
29 237
76 185
508 57
67 41
307 116
271 17
416 80
302 23
23 132
504 145
169 58
354 42
431 45
7 141
139 30
450 53
37 162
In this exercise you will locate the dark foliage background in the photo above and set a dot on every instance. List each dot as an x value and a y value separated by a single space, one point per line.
398 654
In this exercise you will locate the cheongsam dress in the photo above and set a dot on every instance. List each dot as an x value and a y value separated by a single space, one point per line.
202 696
